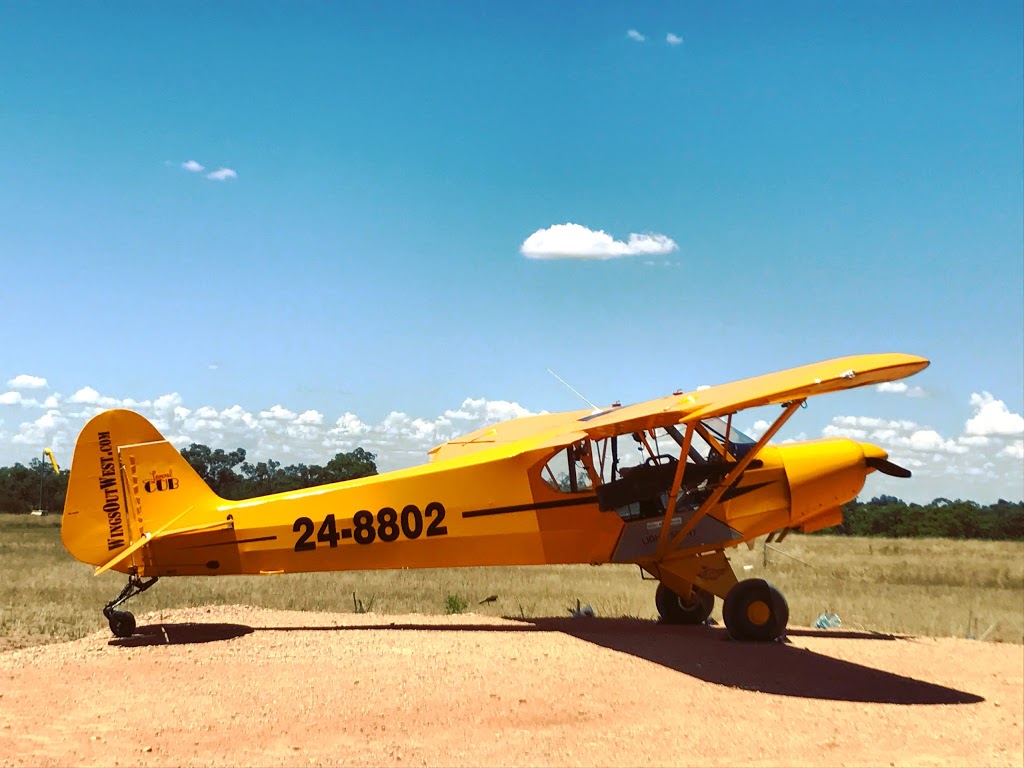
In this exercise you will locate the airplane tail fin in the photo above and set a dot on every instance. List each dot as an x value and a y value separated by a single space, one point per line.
127 484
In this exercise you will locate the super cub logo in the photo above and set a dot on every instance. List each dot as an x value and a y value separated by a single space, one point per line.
161 482
111 496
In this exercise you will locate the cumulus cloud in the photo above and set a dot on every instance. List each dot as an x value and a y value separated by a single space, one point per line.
901 388
222 174
967 465
759 428
1014 450
25 381
992 417
672 39
306 436
192 166
35 432
574 241
633 34
89 396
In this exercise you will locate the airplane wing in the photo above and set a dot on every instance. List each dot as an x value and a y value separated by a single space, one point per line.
783 386
560 429
506 432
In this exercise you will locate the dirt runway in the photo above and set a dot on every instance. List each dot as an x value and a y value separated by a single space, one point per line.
245 686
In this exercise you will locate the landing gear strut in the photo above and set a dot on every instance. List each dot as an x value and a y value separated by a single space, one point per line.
122 623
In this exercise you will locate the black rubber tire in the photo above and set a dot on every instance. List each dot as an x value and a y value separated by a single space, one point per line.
755 610
674 610
122 623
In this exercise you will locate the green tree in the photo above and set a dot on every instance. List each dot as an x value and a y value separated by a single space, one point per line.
217 468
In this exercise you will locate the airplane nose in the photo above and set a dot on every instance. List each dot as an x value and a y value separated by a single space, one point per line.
823 474
878 459
872 451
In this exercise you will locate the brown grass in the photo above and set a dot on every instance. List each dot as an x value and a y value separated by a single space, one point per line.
907 586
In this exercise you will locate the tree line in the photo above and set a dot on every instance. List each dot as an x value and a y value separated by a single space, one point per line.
893 518
36 486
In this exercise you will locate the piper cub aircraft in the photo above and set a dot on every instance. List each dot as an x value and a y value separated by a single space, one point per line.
669 485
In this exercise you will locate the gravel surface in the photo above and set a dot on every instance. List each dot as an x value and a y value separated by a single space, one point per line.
236 685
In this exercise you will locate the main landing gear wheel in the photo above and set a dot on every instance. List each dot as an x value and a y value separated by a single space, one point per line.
122 623
755 610
677 610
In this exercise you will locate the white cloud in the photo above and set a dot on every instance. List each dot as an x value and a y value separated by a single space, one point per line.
968 465
192 166
833 430
481 411
25 381
870 422
89 396
929 441
974 440
349 425
901 388
277 432
310 417
759 428
672 39
166 403
44 431
633 34
222 174
992 417
278 413
1014 450
574 241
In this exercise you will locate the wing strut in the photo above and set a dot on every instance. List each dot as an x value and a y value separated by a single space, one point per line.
677 484
731 477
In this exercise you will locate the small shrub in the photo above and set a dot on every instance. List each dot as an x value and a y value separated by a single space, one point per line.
359 607
454 604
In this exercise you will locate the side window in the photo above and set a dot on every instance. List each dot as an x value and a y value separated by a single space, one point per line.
567 472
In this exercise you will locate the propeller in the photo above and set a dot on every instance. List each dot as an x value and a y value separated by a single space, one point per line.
886 467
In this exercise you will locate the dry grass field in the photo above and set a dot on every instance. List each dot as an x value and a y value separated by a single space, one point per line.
930 587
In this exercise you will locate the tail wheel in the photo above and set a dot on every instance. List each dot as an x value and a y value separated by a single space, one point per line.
677 610
755 610
122 623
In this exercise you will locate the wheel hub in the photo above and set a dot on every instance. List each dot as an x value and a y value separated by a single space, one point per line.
759 613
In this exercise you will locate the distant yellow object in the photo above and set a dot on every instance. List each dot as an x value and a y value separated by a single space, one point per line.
49 454
668 484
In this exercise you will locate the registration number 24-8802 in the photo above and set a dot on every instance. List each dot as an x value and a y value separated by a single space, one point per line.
387 525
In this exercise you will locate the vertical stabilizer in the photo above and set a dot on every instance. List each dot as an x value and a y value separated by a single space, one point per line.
126 480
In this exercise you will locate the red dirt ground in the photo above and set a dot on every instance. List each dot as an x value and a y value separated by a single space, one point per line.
244 686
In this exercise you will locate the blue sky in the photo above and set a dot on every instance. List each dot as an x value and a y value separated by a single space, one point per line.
835 179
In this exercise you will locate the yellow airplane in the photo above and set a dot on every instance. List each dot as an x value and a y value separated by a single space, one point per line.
668 484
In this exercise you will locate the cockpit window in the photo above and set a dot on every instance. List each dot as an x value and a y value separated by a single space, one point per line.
591 464
567 471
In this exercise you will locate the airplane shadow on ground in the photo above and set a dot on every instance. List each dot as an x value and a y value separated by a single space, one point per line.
705 653
181 634
708 654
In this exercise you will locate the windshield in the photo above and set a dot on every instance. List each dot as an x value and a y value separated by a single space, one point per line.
738 443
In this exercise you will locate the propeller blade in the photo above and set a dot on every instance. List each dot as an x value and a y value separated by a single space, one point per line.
886 467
